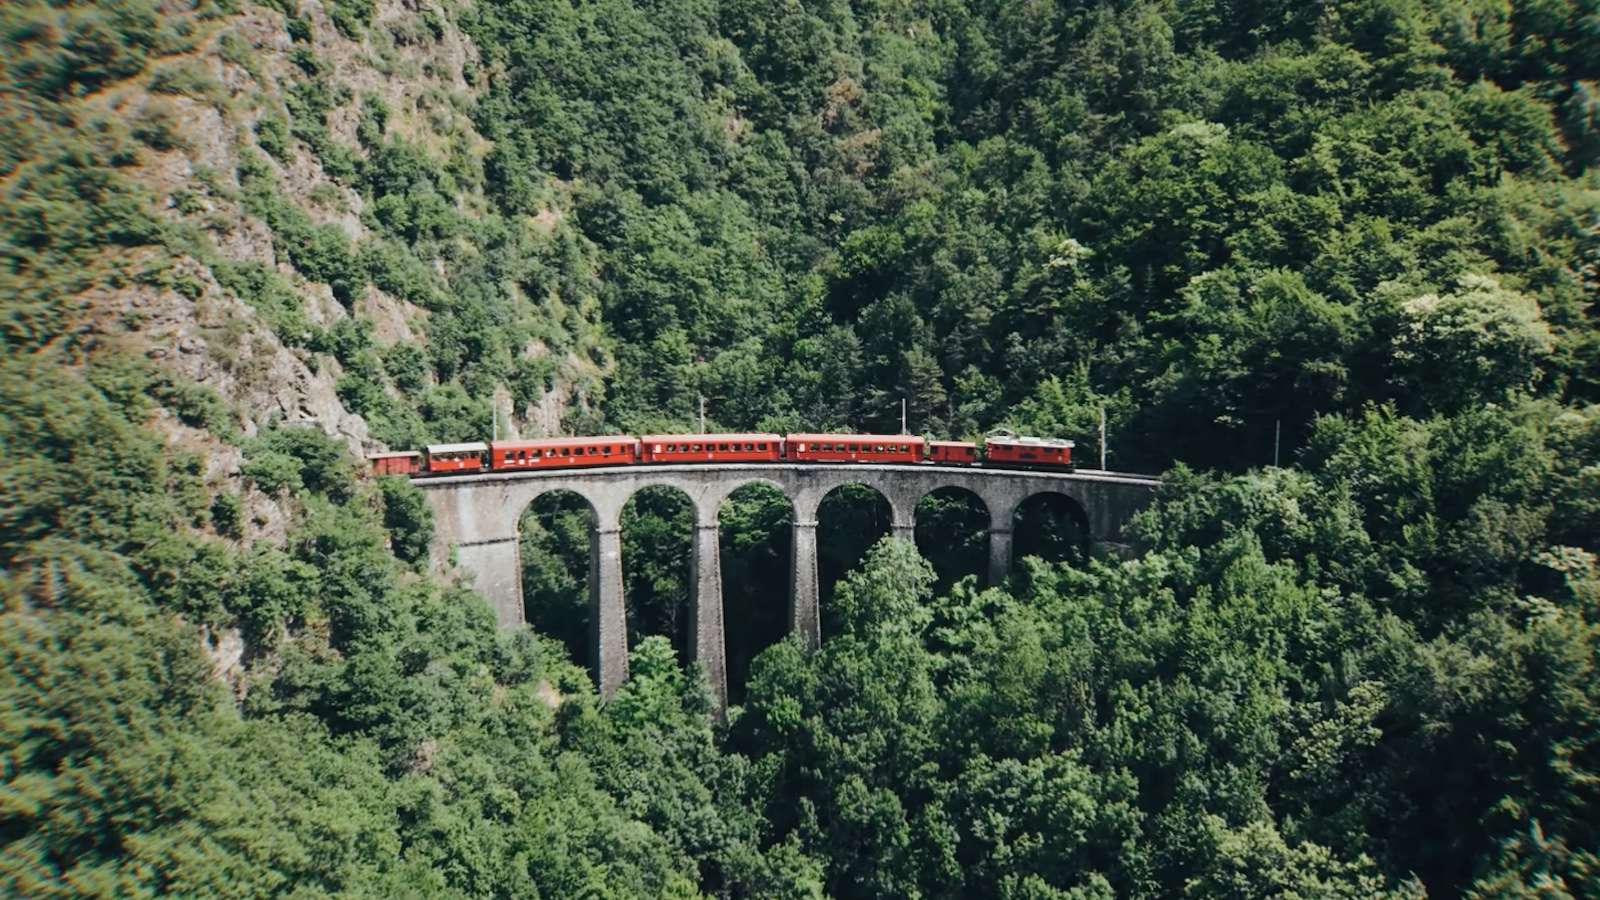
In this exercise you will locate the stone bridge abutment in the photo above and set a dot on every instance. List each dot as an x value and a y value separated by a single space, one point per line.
477 530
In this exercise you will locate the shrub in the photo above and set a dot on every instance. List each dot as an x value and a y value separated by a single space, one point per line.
156 126
272 133
351 16
296 458
187 79
408 517
227 513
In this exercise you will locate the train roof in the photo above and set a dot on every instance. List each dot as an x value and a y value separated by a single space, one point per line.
714 438
526 443
469 447
885 438
952 443
394 454
1031 441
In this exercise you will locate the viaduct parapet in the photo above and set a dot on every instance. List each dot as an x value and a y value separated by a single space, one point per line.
477 525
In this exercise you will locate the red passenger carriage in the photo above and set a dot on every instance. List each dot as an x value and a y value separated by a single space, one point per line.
702 448
878 448
561 453
464 458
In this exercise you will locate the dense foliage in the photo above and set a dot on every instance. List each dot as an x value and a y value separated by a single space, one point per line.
1371 224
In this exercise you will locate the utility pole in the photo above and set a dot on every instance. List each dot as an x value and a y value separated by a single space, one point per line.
1102 438
903 416
1277 438
702 413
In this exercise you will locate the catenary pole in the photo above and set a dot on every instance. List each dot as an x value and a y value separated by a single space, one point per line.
1102 438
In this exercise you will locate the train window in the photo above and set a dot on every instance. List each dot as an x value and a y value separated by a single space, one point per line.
761 446
605 451
695 448
877 448
722 448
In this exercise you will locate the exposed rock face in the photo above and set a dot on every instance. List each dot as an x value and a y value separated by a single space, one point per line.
219 341
225 648
200 331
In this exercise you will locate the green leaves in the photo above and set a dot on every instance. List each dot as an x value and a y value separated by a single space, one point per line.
1478 343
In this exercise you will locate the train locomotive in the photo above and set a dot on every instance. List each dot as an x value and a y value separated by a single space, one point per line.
1000 451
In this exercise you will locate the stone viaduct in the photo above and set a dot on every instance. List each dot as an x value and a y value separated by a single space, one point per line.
477 518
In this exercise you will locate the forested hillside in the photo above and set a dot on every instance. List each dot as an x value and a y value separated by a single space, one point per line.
243 243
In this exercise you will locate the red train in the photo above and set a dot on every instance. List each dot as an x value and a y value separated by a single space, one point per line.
663 449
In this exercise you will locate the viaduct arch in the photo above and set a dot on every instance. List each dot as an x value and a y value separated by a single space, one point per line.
477 518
